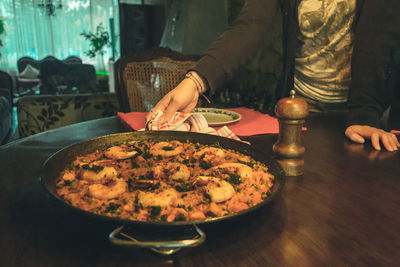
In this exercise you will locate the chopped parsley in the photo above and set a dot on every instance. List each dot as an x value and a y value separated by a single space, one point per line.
154 187
134 164
234 179
183 188
207 199
67 183
155 210
250 164
112 208
158 157
187 208
146 154
138 150
95 168
130 185
204 165
256 187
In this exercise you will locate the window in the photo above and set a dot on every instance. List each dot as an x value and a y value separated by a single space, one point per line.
32 31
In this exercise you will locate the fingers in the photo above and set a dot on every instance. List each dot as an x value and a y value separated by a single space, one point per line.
358 133
375 141
169 111
162 104
391 142
353 136
388 140
182 98
396 141
150 116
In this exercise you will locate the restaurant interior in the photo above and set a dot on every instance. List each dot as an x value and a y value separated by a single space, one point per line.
80 75
54 52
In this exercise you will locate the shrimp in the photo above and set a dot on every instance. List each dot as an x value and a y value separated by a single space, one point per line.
210 154
244 171
218 189
119 152
215 209
163 199
96 173
105 192
173 170
68 176
167 149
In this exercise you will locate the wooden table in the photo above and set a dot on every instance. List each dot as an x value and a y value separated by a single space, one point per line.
345 210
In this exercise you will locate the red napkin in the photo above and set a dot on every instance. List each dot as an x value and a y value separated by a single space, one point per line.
252 122
133 120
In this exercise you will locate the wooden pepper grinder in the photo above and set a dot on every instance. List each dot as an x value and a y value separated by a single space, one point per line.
291 112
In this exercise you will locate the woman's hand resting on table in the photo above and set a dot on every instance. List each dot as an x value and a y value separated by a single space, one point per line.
358 133
182 98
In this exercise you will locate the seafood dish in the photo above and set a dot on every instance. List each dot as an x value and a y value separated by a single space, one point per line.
164 181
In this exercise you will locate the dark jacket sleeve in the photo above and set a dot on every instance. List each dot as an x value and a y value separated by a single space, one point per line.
238 44
376 37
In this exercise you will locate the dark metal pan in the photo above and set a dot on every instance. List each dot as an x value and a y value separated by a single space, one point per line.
60 160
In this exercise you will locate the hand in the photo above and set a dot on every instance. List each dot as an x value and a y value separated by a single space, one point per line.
358 133
182 98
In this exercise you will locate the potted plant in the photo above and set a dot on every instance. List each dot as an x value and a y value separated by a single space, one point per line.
98 41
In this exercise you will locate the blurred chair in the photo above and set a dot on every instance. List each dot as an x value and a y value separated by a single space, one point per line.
142 80
6 103
23 62
38 113
28 73
58 77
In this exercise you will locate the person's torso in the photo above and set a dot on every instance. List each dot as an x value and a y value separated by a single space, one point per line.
322 62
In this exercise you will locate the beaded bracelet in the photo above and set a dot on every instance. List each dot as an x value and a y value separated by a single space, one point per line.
198 84
199 87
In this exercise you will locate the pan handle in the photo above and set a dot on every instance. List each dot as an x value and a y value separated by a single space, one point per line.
161 247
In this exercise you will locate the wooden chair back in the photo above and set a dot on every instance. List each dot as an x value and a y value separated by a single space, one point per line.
142 80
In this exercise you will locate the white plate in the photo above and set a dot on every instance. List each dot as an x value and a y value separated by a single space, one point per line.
217 116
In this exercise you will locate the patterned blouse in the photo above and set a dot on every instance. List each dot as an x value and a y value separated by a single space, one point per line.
322 66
